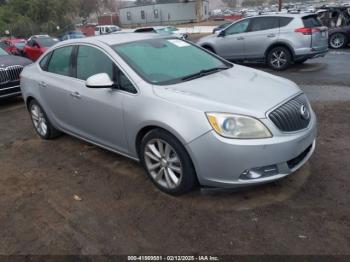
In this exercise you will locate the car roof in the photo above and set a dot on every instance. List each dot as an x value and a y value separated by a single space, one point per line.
113 39
286 15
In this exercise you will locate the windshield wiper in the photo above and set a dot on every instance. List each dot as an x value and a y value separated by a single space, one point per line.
204 72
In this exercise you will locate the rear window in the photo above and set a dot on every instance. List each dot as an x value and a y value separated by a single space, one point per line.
311 21
263 23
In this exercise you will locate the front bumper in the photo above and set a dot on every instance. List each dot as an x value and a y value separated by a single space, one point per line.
222 162
10 90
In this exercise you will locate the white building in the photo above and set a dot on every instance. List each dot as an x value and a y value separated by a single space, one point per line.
174 12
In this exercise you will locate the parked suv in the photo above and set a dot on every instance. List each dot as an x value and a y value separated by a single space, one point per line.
277 40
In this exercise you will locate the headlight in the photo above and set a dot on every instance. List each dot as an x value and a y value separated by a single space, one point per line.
236 126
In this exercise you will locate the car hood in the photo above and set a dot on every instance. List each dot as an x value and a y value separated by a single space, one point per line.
239 90
10 60
207 38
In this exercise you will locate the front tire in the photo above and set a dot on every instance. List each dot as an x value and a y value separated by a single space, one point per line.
41 123
167 163
337 41
279 58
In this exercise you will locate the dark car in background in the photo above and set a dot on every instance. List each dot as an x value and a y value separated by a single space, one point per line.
339 37
337 19
10 69
37 45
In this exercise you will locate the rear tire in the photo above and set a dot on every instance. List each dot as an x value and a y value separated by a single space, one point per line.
337 41
167 163
279 58
41 123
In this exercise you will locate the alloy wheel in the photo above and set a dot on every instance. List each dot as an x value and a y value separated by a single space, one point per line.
39 120
337 41
163 164
279 58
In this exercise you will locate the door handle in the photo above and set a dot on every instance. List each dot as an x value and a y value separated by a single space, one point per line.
271 35
240 38
42 84
75 95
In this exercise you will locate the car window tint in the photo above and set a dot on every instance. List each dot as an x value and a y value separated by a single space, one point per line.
264 23
311 21
92 61
161 61
60 61
237 28
43 62
285 21
124 83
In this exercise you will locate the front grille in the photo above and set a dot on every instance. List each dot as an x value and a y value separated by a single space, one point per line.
296 161
10 74
288 117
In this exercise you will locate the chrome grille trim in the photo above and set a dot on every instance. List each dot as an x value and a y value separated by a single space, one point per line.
287 117
10 74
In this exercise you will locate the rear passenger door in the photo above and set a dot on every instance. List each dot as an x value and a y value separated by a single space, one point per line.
262 33
55 85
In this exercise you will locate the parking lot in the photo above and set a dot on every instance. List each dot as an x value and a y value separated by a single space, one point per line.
69 197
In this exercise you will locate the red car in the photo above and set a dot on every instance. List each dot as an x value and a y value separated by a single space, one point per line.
36 46
15 45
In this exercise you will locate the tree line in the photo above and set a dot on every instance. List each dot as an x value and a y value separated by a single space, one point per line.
27 17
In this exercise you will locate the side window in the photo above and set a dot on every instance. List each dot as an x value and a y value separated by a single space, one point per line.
124 83
91 61
285 21
263 23
35 44
30 43
43 62
237 28
60 61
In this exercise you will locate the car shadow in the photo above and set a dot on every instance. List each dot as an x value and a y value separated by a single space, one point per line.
10 102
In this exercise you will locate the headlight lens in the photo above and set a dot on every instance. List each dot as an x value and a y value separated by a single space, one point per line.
237 126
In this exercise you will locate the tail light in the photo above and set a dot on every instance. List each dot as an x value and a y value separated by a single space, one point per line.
307 30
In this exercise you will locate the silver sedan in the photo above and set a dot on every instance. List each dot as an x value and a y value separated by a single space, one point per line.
189 116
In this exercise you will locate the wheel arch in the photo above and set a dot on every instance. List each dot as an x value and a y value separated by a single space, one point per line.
28 100
207 46
277 44
148 128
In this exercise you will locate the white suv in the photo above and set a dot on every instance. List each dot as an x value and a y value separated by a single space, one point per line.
277 40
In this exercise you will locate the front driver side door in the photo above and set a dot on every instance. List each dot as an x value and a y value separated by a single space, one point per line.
230 44
98 112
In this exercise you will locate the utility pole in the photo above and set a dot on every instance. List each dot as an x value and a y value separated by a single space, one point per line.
279 5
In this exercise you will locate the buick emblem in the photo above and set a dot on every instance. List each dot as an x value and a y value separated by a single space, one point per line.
304 112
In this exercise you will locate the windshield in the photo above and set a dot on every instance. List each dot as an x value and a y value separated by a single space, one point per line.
166 61
3 52
46 42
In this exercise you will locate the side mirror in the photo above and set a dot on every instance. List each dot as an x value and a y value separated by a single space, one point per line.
221 33
99 81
